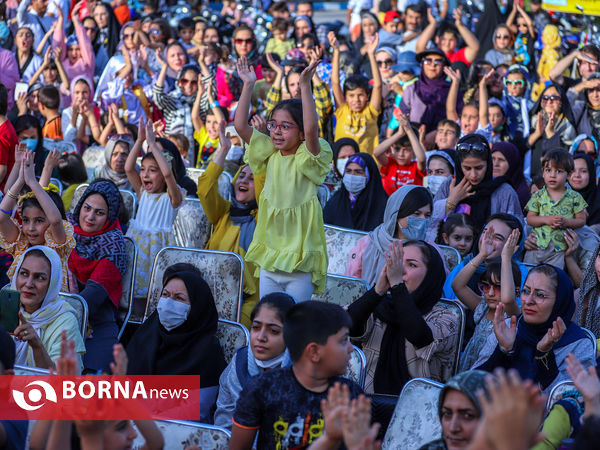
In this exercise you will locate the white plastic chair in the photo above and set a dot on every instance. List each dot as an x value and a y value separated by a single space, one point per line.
126 303
179 434
342 290
232 336
339 243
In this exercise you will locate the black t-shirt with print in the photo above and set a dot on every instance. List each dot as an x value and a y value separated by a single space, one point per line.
287 414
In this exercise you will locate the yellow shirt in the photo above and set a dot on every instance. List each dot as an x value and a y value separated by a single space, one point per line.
225 235
207 146
360 126
289 232
18 247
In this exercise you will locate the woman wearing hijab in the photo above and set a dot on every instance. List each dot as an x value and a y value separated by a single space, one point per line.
369 26
43 316
425 100
586 112
342 150
587 313
179 336
403 331
108 28
115 152
538 342
558 127
178 167
406 216
233 221
266 351
507 162
459 409
474 191
583 180
98 264
360 203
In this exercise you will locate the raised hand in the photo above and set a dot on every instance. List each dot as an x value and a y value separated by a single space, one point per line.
67 363
488 242
314 54
506 335
309 72
372 46
47 56
355 424
141 137
53 159
119 366
511 245
550 125
26 333
274 65
333 42
20 150
485 78
531 242
403 120
586 382
395 264
57 53
552 336
224 141
245 73
160 59
334 408
457 14
382 285
454 75
460 191
430 17
28 168
572 242
150 135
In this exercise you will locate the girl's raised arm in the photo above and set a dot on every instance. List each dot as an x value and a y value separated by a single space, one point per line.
309 110
165 169
508 291
132 175
247 75
52 213
14 184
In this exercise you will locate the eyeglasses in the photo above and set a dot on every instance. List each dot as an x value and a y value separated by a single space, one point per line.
307 46
476 147
551 98
154 31
594 89
387 62
243 41
485 286
90 28
431 61
520 83
185 81
128 35
503 36
272 125
537 295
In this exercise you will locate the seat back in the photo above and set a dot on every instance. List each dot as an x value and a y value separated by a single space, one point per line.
556 394
451 256
225 180
191 226
342 290
183 434
459 315
81 309
222 271
415 421
79 190
339 243
592 338
357 367
28 370
130 201
94 159
56 182
126 303
232 336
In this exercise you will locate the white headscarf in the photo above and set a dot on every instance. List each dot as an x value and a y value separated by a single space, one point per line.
51 306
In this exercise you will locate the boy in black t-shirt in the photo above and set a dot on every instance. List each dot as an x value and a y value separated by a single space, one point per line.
284 405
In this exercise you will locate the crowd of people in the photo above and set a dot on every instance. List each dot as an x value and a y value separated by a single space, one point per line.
418 123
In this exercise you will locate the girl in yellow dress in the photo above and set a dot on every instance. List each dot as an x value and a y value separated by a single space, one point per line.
289 242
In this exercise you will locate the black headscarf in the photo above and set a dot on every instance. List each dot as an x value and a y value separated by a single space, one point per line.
590 192
392 370
190 349
112 40
369 206
178 167
486 27
336 147
480 203
564 102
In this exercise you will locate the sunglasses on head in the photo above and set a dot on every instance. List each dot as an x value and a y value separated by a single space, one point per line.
431 61
514 83
243 41
551 98
476 147
185 81
387 62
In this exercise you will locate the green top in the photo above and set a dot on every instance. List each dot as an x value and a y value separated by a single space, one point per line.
568 205
289 232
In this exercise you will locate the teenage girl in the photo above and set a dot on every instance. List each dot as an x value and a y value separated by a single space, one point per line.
42 216
159 195
458 231
289 242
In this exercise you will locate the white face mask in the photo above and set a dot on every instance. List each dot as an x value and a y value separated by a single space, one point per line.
235 153
271 363
354 183
172 313
434 182
341 165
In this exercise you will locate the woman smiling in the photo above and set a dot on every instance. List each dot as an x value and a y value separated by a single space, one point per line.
43 316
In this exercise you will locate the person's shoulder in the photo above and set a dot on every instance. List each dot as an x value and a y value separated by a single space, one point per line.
354 388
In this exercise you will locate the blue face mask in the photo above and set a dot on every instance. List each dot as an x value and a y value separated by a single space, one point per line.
30 143
416 228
